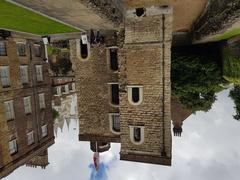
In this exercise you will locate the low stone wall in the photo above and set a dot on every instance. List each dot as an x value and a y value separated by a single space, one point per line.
110 9
219 15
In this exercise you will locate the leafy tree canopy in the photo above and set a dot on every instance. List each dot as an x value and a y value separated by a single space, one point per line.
195 80
235 95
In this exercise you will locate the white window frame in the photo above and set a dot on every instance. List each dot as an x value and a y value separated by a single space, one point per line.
44 130
41 98
13 148
5 76
66 88
21 43
5 48
24 74
9 110
129 88
73 87
59 92
111 122
39 73
132 134
30 138
27 105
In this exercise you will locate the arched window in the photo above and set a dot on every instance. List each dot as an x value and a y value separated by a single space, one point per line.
84 49
114 121
135 94
137 134
140 12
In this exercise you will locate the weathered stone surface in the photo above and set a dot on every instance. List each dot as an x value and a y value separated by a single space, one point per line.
145 60
219 17
92 76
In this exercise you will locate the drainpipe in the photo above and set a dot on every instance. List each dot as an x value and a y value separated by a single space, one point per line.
46 42
34 87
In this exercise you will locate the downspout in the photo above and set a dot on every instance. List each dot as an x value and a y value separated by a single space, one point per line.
34 92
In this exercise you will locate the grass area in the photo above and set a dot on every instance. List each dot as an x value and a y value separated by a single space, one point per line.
231 69
229 34
17 18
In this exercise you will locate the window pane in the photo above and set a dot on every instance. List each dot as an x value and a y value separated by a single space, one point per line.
44 130
9 111
37 50
4 74
24 74
84 50
13 146
137 134
39 73
3 49
21 49
116 122
115 94
113 59
135 94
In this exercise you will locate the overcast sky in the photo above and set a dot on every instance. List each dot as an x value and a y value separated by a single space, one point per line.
208 149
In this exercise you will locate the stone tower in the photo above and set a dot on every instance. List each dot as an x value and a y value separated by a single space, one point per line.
145 89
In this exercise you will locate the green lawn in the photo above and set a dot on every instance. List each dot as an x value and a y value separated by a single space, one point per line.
16 18
231 69
229 34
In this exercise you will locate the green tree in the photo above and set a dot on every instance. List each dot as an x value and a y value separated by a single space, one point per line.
195 80
235 95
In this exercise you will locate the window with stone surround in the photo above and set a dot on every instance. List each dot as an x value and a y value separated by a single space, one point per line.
27 105
24 74
9 110
84 46
114 121
44 130
4 75
113 52
137 134
30 138
114 94
13 148
37 50
135 94
3 51
21 47
41 100
39 73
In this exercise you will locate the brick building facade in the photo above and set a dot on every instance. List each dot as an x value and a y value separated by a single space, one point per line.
129 103
25 102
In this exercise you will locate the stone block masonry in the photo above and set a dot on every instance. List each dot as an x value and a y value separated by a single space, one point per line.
145 61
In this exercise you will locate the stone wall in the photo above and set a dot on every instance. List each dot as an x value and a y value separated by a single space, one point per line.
218 16
92 76
146 60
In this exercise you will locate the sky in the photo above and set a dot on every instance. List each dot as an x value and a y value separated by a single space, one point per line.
207 150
